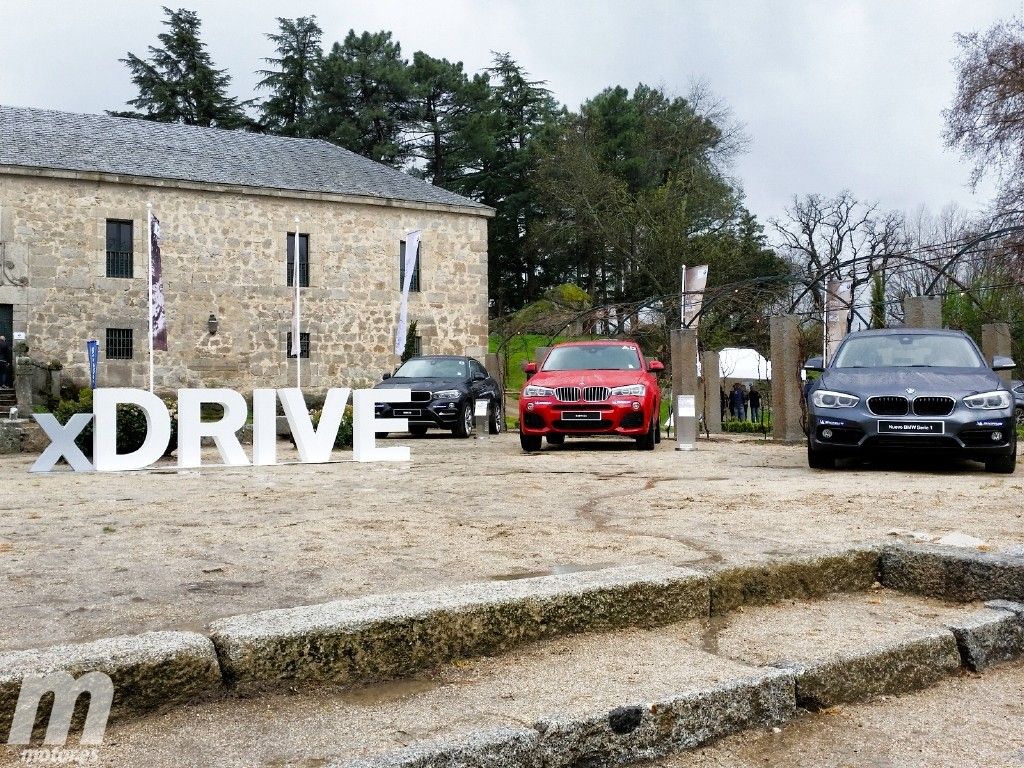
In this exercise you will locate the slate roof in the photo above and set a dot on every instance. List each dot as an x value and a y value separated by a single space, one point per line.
42 138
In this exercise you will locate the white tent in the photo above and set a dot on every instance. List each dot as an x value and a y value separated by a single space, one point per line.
744 364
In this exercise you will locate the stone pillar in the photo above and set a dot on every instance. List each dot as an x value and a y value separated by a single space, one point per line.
23 371
709 364
493 363
922 312
996 340
786 384
684 363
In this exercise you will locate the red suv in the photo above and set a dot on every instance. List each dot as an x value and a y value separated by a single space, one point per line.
591 388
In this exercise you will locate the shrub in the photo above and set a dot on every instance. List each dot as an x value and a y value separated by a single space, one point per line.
746 427
344 438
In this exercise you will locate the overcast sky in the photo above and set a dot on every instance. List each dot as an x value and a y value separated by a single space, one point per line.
832 94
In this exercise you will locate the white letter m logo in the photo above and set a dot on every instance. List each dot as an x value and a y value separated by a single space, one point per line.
66 691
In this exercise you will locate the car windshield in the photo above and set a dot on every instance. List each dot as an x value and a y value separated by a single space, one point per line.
913 350
604 357
433 368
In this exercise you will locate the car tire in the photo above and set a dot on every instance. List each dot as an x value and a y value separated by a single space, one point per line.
419 430
464 423
646 443
495 418
820 459
529 443
1003 465
657 429
556 439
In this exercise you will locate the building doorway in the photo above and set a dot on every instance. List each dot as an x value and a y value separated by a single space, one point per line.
7 322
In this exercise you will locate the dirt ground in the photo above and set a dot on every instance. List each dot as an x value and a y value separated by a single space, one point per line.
93 555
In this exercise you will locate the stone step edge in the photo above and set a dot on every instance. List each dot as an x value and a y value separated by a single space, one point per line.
773 695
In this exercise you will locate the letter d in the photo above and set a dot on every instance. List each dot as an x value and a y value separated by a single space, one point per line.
158 429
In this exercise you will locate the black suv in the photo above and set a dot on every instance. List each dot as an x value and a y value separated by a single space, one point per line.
445 389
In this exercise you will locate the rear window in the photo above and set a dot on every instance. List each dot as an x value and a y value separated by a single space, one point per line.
593 358
913 350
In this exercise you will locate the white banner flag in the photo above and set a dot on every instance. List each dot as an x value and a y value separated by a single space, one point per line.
412 250
296 347
695 280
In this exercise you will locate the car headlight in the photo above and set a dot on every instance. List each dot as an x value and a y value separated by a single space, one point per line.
825 398
636 390
535 391
989 401
447 394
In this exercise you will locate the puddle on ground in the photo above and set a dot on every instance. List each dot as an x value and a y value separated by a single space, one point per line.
383 693
558 570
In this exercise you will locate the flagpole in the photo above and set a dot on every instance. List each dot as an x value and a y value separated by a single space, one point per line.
297 342
149 241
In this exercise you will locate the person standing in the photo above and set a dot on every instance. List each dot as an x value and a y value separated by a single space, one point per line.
755 404
737 402
6 364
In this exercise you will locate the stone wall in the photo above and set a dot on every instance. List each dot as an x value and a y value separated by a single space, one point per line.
224 253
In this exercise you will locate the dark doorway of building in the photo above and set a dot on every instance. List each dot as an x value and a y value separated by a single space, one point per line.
7 322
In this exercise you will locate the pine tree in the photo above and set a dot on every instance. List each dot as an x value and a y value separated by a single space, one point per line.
362 92
179 83
291 81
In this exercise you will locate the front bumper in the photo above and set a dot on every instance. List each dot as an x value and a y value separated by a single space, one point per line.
965 432
436 413
627 416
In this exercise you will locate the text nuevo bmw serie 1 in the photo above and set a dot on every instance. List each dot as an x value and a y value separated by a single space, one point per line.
591 388
911 390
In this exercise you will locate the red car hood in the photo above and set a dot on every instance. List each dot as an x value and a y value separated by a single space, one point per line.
588 378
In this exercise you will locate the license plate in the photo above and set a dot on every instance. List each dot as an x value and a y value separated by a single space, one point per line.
407 412
581 416
911 427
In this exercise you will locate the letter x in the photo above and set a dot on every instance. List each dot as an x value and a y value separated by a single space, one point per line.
62 442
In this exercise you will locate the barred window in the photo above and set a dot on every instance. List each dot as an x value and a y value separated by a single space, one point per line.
120 250
303 345
417 346
119 344
414 284
303 260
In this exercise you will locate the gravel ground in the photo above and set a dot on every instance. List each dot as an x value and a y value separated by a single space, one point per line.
92 555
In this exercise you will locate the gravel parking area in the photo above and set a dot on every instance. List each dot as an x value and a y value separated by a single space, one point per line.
92 555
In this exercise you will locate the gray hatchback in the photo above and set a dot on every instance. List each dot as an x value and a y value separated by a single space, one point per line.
908 390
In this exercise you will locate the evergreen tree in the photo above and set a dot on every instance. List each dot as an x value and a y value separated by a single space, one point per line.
179 83
362 93
450 121
297 44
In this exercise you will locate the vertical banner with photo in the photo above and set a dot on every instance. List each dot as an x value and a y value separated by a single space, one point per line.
837 315
695 280
159 311
412 249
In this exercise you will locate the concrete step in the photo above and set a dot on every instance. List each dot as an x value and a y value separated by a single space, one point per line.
610 698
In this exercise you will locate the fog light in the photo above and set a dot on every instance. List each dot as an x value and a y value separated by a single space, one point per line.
636 406
529 406
826 434
997 437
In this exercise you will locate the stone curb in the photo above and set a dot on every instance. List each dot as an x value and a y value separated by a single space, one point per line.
895 668
853 570
149 671
389 636
953 573
625 735
990 636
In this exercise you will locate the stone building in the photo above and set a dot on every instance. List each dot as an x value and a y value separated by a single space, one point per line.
74 191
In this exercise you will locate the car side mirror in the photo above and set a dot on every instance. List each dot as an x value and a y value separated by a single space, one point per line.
1003 363
655 366
815 364
385 376
479 376
529 369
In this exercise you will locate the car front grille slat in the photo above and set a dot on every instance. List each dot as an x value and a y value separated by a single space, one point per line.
889 405
596 394
933 406
568 394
